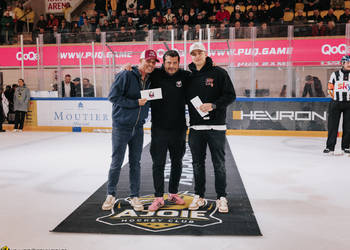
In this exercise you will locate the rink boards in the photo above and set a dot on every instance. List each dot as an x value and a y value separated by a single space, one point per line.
246 116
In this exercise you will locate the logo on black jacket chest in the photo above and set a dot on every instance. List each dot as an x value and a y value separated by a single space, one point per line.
179 84
209 82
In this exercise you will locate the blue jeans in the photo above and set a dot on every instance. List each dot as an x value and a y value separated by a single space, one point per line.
198 141
120 139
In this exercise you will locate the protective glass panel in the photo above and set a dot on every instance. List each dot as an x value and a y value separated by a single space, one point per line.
262 61
316 57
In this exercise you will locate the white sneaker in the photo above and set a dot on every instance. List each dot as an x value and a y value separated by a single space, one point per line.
221 204
109 202
136 204
20 130
197 202
15 130
338 152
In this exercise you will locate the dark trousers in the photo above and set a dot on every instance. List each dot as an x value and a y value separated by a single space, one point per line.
164 140
19 119
335 109
121 138
198 141
20 25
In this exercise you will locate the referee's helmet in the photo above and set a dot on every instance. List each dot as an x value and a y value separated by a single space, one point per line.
345 58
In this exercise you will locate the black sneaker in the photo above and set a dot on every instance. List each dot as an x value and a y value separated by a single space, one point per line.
346 150
328 151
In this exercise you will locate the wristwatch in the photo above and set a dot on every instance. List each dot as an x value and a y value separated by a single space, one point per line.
213 106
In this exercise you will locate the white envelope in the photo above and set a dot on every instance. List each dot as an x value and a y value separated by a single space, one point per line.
196 102
152 94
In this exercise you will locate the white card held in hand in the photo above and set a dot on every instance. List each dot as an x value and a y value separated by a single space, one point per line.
196 102
152 94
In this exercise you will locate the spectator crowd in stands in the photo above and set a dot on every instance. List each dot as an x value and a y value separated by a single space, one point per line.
130 20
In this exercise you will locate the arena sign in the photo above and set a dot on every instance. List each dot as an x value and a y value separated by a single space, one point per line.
267 53
264 115
167 218
293 114
74 113
57 6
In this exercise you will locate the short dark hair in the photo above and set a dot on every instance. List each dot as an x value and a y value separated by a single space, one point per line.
171 53
68 75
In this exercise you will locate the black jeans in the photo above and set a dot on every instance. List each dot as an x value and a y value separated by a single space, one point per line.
162 141
335 109
198 141
19 119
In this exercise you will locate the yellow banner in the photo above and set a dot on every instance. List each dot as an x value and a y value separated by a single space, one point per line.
32 115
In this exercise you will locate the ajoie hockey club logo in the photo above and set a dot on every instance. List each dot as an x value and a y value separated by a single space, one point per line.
168 217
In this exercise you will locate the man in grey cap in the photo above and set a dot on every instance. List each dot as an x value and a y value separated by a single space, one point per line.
209 93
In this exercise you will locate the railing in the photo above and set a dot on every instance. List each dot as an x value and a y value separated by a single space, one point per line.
260 66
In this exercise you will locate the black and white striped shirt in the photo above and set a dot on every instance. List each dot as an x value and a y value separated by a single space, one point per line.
341 83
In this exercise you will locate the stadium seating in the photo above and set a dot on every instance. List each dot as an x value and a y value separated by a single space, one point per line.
299 6
347 4
288 16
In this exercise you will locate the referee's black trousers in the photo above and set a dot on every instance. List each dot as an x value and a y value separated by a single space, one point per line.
164 140
335 110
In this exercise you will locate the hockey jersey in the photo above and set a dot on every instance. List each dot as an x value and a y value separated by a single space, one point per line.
339 85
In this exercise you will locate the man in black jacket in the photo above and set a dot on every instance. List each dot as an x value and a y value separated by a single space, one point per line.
68 87
168 132
168 127
214 91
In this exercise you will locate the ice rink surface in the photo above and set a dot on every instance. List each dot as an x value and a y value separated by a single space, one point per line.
300 197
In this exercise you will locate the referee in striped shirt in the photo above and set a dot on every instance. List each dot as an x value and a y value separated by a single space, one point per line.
339 90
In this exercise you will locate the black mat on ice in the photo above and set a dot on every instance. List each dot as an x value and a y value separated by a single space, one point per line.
171 219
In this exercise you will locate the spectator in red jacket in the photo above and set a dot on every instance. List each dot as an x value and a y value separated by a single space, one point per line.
222 15
53 21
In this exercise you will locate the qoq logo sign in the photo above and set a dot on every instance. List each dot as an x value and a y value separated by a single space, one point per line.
168 217
328 49
30 56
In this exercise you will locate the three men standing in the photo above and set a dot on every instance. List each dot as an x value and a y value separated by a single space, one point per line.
214 88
